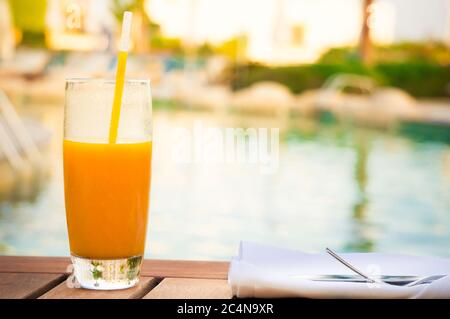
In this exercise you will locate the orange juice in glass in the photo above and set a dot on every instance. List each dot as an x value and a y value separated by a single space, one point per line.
107 184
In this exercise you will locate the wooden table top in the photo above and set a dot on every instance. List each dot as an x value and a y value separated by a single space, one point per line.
45 277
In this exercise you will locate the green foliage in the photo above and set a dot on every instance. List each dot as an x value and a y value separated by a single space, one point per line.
205 49
118 7
429 52
29 17
233 48
173 45
296 78
340 55
417 78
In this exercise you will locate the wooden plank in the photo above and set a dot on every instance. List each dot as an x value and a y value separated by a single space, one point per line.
183 288
150 268
185 269
27 285
51 265
62 291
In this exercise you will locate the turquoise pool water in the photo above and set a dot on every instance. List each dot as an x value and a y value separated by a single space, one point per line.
348 188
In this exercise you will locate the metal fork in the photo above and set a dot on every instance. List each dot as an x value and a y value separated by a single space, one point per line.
419 281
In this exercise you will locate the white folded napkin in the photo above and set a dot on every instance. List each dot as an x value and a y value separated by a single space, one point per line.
269 272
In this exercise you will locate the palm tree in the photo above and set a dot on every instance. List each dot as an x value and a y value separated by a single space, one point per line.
365 43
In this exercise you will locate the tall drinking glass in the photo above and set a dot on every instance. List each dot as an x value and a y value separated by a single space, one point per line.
106 184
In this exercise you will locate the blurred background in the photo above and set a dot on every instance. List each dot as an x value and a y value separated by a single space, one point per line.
360 90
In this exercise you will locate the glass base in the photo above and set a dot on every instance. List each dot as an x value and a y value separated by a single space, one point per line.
106 274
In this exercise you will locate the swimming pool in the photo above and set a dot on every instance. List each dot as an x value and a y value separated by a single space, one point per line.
348 188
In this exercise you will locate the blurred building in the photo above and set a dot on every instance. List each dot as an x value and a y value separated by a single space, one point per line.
284 31
274 31
78 24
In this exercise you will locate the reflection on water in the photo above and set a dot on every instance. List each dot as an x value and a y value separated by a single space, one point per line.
360 241
347 188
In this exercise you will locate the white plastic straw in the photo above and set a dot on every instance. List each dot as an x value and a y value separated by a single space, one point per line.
124 44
